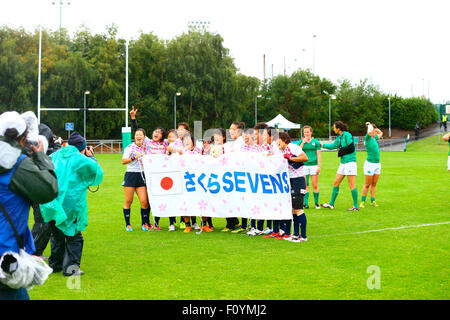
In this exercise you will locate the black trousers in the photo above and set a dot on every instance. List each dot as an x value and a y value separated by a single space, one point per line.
232 223
41 231
66 251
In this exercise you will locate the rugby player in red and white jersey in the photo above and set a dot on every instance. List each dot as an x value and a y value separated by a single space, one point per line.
236 133
269 142
189 145
177 145
218 146
251 142
295 156
251 145
265 148
155 145
189 148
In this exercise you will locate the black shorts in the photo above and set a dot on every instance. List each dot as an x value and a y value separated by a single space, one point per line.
298 190
133 179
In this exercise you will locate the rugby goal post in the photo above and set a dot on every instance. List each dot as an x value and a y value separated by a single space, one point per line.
126 131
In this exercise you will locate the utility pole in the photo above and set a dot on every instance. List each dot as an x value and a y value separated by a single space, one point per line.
84 109
256 108
39 75
303 63
126 83
175 109
389 114
264 67
423 87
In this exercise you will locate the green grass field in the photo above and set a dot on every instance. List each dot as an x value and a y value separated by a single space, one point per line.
414 262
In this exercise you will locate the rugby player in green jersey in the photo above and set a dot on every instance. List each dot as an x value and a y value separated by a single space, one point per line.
347 168
447 138
372 166
311 146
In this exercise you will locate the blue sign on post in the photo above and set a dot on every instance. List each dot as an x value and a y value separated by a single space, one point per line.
69 126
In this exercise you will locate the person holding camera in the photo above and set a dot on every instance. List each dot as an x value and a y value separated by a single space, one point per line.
24 180
76 169
54 142
41 230
347 167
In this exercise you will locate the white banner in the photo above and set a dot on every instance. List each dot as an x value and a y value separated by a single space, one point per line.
239 184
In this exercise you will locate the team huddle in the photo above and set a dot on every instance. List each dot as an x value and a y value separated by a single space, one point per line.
304 162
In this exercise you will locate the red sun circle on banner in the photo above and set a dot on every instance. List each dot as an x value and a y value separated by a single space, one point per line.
166 183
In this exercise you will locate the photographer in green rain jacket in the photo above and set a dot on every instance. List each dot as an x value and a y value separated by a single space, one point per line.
76 170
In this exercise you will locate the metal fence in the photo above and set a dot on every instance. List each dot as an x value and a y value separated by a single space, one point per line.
106 146
384 144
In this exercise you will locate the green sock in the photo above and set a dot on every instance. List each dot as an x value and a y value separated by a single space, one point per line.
334 195
363 198
305 199
372 199
316 197
355 197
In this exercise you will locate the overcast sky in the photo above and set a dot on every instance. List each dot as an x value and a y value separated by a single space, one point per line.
400 45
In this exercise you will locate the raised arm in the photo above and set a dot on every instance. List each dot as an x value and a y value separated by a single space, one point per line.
133 118
128 160
300 158
375 133
379 133
331 146
446 137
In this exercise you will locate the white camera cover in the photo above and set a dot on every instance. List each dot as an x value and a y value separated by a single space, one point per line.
32 124
31 271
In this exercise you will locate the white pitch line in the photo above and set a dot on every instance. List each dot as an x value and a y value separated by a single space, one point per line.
379 230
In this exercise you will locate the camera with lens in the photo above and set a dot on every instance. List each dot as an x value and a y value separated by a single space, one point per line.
9 264
28 145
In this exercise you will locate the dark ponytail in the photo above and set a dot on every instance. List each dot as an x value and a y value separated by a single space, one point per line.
13 135
340 125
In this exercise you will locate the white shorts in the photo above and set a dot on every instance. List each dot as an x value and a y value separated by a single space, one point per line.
371 168
310 170
448 163
348 169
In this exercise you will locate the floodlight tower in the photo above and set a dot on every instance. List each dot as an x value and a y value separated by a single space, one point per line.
199 24
314 53
61 2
